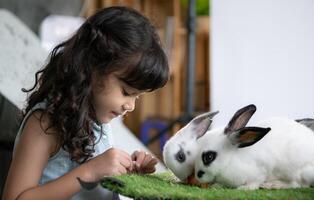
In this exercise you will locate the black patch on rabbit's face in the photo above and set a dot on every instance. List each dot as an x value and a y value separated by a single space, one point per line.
208 157
180 156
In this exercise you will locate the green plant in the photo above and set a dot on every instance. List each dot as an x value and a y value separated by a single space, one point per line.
202 6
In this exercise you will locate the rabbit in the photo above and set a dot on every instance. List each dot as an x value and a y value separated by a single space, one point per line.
180 150
277 153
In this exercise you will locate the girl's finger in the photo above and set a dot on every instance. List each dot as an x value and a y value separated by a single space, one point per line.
140 158
126 155
152 162
126 160
126 163
122 170
134 155
149 170
148 159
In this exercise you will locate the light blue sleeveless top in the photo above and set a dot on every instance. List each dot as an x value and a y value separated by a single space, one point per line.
61 163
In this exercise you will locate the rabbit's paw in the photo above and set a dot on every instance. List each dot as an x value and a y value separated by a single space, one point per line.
275 185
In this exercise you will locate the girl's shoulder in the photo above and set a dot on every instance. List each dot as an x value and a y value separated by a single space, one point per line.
32 151
37 130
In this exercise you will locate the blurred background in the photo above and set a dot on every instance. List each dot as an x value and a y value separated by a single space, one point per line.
245 51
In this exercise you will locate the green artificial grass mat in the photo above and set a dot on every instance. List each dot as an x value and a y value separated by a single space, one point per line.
165 186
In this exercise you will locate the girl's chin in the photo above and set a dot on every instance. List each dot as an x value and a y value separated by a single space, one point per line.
105 119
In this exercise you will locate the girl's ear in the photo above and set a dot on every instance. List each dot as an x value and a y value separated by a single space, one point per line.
240 119
247 136
202 123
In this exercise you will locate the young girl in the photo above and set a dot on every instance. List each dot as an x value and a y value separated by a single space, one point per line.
91 78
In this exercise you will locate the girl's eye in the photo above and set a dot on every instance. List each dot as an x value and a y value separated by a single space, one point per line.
125 93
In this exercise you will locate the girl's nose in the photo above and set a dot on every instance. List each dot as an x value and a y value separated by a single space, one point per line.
129 106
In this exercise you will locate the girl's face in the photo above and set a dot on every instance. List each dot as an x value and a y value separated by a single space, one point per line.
114 99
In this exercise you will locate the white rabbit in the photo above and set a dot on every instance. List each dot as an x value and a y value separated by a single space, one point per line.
279 153
180 150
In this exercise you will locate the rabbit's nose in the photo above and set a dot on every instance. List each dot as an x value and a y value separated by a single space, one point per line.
200 174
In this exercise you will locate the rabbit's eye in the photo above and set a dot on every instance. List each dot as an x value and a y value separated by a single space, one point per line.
208 157
180 156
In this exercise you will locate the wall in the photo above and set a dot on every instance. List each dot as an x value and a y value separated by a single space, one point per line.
262 52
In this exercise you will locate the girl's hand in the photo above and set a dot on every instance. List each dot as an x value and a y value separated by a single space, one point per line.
143 162
111 162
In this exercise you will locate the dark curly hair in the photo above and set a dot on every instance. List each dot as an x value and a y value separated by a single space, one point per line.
115 39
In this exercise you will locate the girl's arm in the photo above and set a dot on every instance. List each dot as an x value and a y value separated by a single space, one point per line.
32 154
29 160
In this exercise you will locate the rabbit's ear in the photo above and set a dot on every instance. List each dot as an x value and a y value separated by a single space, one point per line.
308 122
202 123
247 136
240 119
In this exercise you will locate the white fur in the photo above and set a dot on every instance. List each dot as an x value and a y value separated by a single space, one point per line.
187 140
283 158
